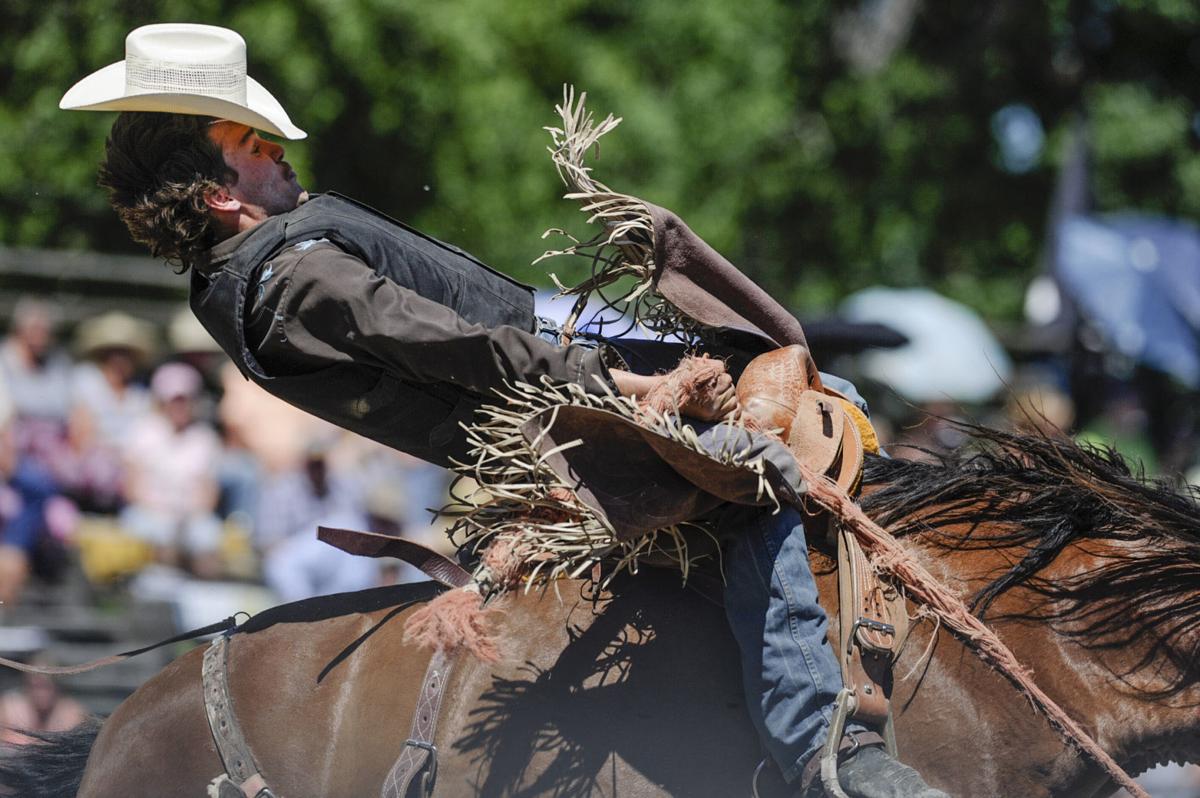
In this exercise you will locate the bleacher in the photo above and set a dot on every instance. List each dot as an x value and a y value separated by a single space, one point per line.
75 621
83 284
70 623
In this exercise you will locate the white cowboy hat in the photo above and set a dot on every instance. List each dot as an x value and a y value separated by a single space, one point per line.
182 68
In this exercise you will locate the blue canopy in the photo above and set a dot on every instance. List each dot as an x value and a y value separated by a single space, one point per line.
1137 280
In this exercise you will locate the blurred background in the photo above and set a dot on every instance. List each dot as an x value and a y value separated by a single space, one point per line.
979 210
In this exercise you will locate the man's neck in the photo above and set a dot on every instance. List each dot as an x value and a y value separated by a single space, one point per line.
243 223
246 222
248 219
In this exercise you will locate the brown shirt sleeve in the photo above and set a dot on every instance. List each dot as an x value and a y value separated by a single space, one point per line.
316 303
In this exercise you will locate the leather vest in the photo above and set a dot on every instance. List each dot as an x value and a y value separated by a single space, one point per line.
419 418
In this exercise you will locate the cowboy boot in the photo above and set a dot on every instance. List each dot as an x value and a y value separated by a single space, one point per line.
870 772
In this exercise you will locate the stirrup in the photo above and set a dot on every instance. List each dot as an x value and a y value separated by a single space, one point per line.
829 755
843 708
754 779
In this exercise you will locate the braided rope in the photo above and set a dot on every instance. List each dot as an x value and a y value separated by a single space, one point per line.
888 556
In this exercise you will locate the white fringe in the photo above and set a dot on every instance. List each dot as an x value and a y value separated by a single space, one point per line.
516 495
623 252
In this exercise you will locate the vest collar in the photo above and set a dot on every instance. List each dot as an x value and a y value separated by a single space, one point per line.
222 251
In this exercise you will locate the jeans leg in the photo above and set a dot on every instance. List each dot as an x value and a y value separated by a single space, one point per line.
789 670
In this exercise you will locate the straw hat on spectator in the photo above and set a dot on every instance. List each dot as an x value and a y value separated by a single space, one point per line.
183 68
117 330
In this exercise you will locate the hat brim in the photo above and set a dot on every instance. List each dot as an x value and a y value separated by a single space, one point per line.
104 90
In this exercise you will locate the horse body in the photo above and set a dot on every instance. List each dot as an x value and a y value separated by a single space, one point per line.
966 729
625 696
638 693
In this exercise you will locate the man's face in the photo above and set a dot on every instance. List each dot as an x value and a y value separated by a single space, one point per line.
266 184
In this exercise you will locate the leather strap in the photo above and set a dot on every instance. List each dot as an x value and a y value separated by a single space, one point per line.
871 703
419 755
437 567
226 625
851 742
227 733
872 625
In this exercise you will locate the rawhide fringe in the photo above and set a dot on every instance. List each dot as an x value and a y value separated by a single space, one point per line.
623 252
517 505
457 619
694 381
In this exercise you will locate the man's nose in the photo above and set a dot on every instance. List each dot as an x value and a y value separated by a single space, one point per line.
276 151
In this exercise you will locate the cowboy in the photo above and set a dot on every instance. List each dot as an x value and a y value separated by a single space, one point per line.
387 332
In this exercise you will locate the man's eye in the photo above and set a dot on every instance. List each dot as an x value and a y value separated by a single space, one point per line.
254 150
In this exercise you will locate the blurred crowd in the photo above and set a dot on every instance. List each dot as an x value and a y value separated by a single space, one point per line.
143 455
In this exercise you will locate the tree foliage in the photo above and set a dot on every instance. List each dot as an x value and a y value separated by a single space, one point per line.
746 118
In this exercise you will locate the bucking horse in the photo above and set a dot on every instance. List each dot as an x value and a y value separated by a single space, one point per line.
1086 576
1089 574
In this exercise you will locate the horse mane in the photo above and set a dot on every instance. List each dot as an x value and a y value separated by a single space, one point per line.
1040 493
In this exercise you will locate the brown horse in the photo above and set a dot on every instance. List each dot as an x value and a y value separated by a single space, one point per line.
1089 574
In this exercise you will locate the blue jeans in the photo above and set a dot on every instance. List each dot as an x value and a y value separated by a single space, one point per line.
789 670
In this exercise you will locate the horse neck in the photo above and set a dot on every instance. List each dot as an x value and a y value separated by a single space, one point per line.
1143 654
1101 651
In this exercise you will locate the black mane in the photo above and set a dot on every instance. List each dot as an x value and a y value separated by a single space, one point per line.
1038 494
52 765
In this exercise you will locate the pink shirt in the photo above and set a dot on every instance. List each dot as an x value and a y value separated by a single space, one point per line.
172 469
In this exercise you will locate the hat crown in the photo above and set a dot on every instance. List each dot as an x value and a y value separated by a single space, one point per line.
183 68
186 58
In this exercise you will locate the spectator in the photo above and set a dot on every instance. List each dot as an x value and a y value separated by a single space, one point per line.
171 463
37 706
192 344
37 378
14 553
37 375
106 406
295 564
116 347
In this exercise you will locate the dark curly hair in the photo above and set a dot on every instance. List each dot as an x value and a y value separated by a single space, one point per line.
157 169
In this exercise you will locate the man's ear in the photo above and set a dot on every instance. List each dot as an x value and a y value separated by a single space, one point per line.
219 200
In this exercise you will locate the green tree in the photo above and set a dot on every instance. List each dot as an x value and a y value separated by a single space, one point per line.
747 119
